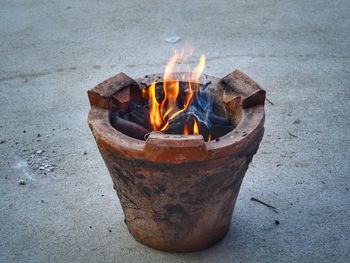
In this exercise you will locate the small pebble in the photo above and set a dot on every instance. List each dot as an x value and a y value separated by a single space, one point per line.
39 151
110 231
277 222
22 182
172 39
85 152
39 135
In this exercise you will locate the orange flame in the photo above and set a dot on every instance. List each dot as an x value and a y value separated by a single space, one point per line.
162 113
186 130
195 128
155 116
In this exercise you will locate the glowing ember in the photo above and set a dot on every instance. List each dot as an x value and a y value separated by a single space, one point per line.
186 129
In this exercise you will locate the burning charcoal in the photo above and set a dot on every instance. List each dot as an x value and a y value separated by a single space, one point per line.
120 113
139 118
220 130
177 124
204 131
129 128
183 87
135 117
134 106
180 101
143 112
146 119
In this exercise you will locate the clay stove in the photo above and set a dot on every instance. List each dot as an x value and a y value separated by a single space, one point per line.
178 191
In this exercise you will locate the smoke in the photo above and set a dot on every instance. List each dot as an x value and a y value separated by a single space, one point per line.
202 106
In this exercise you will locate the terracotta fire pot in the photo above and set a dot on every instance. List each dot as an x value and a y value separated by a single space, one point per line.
178 192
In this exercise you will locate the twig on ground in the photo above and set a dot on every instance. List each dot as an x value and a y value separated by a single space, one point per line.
265 204
291 134
269 101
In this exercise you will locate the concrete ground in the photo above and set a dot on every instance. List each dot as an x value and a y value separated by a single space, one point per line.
53 51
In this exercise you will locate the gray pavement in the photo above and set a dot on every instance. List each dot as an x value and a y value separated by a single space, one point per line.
53 51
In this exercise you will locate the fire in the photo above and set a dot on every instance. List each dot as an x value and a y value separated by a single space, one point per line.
195 128
162 112
155 116
186 130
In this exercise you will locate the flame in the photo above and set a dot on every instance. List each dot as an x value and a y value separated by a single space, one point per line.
186 130
155 116
195 128
162 113
196 74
